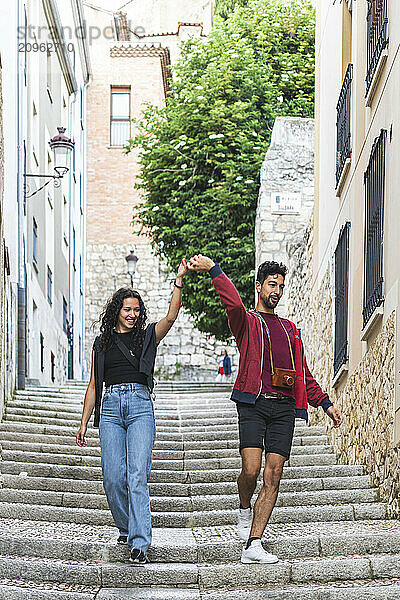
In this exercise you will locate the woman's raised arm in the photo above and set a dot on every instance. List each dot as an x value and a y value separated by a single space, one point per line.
165 324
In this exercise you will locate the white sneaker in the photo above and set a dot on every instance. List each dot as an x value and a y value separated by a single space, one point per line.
245 519
256 554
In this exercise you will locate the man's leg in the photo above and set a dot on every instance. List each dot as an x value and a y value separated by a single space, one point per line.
247 480
268 494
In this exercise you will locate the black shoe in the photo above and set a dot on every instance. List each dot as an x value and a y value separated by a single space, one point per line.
138 557
123 539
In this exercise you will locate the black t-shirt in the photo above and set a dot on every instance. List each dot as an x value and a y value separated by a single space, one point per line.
117 368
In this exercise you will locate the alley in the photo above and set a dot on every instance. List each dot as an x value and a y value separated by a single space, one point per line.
57 537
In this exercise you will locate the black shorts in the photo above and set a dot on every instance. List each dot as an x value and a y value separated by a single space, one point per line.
269 424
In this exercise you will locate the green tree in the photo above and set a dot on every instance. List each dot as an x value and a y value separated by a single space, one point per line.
201 154
224 8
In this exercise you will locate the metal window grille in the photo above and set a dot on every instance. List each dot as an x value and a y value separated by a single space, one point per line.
49 286
120 122
374 185
341 298
41 352
53 367
65 316
343 130
377 36
34 241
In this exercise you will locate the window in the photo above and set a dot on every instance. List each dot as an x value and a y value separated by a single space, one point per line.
80 276
343 129
120 125
341 299
48 76
65 220
80 194
49 286
73 248
374 184
377 39
53 367
34 243
41 352
65 316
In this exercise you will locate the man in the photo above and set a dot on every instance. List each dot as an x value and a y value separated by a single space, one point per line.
272 388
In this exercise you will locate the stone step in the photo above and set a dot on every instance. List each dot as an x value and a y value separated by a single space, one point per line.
166 476
33 590
158 453
158 464
320 570
201 545
186 504
289 514
182 489
377 589
193 438
165 421
172 414
209 445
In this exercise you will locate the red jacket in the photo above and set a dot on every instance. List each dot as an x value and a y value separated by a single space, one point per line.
248 332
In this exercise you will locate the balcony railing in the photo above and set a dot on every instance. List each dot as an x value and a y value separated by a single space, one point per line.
377 37
343 131
374 184
341 299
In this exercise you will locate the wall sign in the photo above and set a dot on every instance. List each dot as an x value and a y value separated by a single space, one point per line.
286 203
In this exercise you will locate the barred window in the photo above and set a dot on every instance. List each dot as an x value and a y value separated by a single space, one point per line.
374 185
49 286
343 129
341 299
377 37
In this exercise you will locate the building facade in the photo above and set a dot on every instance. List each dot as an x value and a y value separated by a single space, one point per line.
44 217
131 61
348 268
2 257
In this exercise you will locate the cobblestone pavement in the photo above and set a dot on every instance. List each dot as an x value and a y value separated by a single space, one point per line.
57 539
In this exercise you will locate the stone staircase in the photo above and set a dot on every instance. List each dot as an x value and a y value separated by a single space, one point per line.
56 535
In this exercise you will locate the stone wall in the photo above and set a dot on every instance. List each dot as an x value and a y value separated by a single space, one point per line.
367 398
287 172
185 353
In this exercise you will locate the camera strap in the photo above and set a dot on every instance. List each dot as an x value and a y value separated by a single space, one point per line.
270 345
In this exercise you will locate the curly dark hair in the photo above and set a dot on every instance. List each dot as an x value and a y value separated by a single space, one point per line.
269 267
109 318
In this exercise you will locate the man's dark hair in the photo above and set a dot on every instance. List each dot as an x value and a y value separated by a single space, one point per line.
269 267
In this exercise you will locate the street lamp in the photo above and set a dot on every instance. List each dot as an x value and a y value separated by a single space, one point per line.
62 147
131 259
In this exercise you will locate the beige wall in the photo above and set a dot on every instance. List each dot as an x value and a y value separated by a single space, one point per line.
368 391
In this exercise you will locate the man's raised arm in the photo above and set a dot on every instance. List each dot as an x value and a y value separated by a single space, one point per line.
230 299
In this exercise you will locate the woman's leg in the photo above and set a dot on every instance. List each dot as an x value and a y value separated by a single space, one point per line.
113 460
140 440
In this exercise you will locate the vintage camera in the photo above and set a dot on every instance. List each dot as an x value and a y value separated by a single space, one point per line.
283 378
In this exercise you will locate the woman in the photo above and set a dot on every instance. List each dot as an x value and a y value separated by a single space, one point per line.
123 358
224 367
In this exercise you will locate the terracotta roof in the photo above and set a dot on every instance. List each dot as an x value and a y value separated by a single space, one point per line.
142 50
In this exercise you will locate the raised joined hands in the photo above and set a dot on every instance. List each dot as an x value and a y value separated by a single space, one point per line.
200 263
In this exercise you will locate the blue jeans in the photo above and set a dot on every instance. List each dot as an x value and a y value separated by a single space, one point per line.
127 431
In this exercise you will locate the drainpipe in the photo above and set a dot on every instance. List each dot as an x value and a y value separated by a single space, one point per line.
70 332
21 285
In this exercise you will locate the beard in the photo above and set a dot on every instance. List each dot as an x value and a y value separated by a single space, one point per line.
267 302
